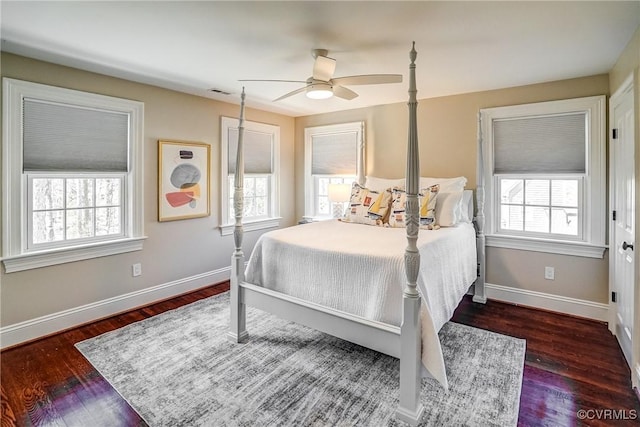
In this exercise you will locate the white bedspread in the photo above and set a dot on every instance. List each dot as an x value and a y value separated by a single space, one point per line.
360 269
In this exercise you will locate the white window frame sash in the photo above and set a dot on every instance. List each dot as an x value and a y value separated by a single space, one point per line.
14 186
227 224
594 224
582 229
32 247
310 207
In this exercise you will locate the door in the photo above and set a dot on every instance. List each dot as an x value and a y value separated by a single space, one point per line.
622 178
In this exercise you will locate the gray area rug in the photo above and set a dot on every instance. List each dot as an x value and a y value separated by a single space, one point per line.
178 368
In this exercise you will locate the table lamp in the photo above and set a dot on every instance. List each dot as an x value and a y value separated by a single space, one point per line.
338 195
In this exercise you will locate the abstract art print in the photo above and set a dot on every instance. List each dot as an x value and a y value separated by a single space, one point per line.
183 180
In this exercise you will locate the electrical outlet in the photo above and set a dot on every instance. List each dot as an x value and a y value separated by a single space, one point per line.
549 273
136 270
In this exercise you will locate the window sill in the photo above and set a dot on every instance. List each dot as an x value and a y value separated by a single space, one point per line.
28 261
549 246
260 224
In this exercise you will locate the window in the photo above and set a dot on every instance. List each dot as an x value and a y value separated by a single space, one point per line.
333 155
544 173
72 208
545 206
261 173
72 165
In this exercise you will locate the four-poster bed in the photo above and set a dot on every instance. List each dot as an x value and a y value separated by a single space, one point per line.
307 291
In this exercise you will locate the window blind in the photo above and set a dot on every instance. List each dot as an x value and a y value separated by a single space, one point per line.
61 137
334 154
546 144
258 151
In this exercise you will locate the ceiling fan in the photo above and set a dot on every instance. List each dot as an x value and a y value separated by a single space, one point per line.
322 84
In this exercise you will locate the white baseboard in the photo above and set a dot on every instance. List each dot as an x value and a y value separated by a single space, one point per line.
42 326
49 324
561 304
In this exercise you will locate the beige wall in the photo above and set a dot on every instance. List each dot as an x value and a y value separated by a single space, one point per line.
447 131
174 250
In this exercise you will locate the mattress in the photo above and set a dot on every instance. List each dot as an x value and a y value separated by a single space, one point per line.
359 269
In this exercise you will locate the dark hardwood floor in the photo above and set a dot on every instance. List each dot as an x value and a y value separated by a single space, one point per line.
571 365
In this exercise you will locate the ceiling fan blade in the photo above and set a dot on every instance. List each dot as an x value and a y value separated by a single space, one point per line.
286 95
281 81
344 93
323 68
368 79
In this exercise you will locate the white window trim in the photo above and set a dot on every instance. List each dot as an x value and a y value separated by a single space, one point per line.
309 184
76 253
260 224
595 196
15 257
227 224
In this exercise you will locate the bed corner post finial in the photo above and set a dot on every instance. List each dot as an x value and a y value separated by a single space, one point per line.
409 407
413 54
479 294
237 329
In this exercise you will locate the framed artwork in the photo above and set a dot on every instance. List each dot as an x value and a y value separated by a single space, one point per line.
183 180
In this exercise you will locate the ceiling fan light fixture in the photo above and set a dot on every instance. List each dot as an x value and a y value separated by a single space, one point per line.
319 91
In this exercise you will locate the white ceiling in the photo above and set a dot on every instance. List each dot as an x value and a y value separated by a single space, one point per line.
194 46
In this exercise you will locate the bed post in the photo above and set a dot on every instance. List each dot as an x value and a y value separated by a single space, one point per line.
360 157
237 330
479 294
409 408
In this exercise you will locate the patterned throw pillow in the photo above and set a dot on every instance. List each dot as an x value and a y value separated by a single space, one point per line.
427 210
367 206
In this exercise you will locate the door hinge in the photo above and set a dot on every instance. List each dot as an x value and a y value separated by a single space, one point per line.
614 133
613 296
613 215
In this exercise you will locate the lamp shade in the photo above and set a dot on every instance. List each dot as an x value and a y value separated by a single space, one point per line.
339 193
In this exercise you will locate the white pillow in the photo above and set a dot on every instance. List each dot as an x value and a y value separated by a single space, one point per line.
466 207
448 208
447 185
381 184
454 208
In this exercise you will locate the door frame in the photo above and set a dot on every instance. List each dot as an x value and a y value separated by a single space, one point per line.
627 86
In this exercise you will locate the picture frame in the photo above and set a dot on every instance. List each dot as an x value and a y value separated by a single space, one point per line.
184 180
